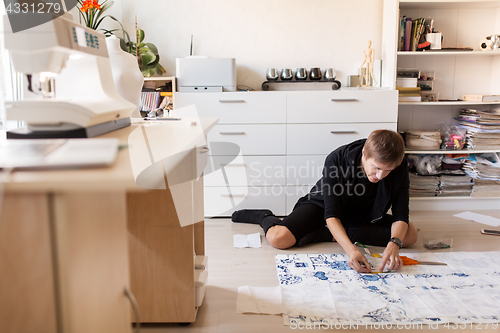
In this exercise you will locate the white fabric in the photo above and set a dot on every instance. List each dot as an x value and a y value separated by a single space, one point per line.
467 290
263 300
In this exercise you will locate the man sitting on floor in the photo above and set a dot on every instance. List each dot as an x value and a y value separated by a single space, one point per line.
360 182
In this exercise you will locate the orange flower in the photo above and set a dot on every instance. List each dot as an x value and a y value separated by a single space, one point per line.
90 4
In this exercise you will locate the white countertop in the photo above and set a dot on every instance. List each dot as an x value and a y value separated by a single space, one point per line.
165 138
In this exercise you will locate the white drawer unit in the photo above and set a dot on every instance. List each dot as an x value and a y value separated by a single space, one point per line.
304 170
247 171
265 139
281 140
342 106
321 139
223 201
237 107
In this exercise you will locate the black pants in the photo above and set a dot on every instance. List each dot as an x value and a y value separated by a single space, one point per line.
306 218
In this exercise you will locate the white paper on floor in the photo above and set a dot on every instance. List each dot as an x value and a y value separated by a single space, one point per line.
323 287
479 218
263 300
252 240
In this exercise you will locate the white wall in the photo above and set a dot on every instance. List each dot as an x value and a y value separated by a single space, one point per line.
260 33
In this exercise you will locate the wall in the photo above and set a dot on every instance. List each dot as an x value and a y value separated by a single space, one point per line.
260 33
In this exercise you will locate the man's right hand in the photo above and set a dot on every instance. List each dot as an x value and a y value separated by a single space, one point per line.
357 260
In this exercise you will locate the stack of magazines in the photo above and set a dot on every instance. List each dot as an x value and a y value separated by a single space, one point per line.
455 186
483 128
423 186
485 169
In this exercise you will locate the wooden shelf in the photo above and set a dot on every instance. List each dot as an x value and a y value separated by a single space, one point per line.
448 53
448 4
447 103
463 151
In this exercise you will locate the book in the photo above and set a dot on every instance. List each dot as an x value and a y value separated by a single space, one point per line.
410 98
407 33
406 82
481 98
409 91
414 25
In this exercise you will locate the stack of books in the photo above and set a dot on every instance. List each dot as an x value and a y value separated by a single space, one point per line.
408 88
410 33
483 128
150 100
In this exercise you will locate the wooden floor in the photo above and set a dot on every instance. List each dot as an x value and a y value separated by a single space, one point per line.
230 268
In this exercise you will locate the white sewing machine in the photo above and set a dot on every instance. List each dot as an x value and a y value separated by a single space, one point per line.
70 92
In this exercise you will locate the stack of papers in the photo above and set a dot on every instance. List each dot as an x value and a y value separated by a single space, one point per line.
483 128
455 186
485 169
423 186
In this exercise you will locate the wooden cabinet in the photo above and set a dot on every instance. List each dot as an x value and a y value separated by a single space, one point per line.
269 147
64 263
166 231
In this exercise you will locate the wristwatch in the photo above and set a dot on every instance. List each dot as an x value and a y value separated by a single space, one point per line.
396 241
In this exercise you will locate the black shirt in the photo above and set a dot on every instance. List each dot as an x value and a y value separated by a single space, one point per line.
335 191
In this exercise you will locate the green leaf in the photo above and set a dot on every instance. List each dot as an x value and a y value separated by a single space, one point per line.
145 50
149 72
152 47
140 35
146 58
160 70
104 6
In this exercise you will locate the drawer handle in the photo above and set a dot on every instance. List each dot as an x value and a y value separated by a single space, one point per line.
343 132
132 300
231 101
344 100
233 164
232 133
234 195
204 150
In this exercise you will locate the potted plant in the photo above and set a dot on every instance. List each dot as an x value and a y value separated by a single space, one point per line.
146 53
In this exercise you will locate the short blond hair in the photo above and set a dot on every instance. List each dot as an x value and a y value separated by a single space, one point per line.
385 146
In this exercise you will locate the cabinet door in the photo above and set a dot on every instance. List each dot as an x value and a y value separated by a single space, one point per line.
237 107
247 171
223 201
304 170
251 139
321 139
343 106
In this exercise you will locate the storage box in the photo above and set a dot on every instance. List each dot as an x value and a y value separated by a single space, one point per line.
437 243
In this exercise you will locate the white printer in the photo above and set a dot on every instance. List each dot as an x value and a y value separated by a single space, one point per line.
202 74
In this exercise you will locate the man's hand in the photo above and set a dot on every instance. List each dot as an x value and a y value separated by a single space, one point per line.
391 257
356 259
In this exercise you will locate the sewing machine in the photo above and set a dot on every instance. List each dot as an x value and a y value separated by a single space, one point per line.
69 85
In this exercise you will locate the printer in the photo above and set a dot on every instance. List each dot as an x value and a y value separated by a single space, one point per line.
203 74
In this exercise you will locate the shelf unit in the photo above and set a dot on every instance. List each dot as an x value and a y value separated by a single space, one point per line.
158 81
463 151
457 72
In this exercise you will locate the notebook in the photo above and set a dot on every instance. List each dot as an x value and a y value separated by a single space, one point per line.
57 153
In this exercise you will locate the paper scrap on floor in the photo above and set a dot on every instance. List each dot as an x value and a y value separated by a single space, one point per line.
323 287
263 300
252 240
479 218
